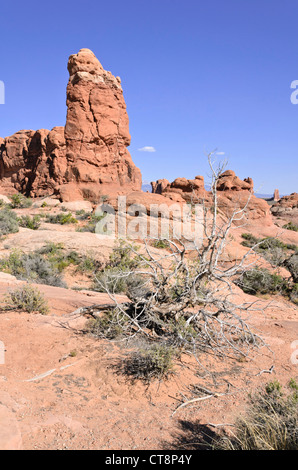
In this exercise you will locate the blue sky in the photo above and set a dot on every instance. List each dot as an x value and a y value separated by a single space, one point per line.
196 75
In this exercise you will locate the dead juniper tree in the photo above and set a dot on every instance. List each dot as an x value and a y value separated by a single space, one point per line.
184 297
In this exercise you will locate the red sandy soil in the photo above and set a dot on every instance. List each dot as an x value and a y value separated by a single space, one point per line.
61 389
85 403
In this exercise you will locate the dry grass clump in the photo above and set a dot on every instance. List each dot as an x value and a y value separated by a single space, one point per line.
271 422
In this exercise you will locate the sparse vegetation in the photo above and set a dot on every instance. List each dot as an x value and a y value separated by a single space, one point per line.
29 222
261 281
106 326
160 243
119 275
179 301
154 362
91 224
28 299
272 249
291 226
8 222
61 219
32 267
18 201
278 254
271 422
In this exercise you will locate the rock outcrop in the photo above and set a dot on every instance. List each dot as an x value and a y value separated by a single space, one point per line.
276 196
287 208
228 181
233 194
181 189
88 157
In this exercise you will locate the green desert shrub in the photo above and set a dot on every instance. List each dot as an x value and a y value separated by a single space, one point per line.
272 249
108 326
117 281
155 362
249 240
30 222
265 244
27 298
32 267
19 201
119 274
61 219
291 226
160 243
91 224
271 421
261 281
292 265
8 222
60 259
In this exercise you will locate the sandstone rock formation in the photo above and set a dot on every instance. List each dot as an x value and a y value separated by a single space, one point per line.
233 194
228 181
276 196
88 157
287 208
181 189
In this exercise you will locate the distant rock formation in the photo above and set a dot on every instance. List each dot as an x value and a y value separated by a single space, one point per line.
287 208
88 157
228 181
276 196
180 189
233 194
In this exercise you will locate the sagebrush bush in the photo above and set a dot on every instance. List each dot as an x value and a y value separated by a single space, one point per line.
8 222
160 243
61 219
272 249
32 267
92 222
155 362
261 281
292 265
119 275
291 226
271 421
27 298
19 201
107 326
29 222
117 281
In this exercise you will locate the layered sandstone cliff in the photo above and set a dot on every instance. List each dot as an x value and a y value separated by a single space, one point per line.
88 157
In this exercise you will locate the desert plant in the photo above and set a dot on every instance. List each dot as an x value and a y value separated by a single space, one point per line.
8 222
32 267
106 326
261 281
161 243
27 298
18 201
154 362
272 249
91 225
291 264
271 421
119 275
30 222
291 226
61 219
195 293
